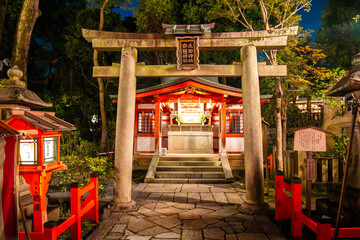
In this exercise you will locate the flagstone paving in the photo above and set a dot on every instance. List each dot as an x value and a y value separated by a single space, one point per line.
189 212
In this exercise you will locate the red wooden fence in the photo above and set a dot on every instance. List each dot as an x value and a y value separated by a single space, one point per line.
89 208
269 162
291 208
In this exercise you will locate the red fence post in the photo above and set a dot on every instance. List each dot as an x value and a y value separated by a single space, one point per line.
271 161
324 229
50 230
94 193
296 207
280 209
75 209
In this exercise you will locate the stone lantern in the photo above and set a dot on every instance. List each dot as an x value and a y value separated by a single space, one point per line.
348 87
40 144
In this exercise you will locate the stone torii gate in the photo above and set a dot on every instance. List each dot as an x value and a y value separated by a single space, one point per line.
249 69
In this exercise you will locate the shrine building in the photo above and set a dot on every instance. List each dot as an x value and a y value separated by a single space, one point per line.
192 120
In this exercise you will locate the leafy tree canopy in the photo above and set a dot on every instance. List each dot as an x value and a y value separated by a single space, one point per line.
339 34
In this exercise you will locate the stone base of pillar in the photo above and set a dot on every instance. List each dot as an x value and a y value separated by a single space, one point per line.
254 208
123 206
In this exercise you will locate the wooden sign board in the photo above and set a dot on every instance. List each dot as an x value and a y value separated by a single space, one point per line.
310 139
187 53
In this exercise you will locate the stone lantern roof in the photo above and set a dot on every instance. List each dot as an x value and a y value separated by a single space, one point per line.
349 83
14 94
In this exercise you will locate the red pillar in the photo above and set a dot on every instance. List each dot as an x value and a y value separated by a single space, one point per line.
323 229
136 128
296 207
94 193
50 231
157 127
39 184
75 209
223 127
281 212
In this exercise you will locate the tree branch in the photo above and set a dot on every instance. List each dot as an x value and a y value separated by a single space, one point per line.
248 25
232 13
85 77
300 6
264 14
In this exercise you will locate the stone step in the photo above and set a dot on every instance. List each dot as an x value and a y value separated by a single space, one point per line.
190 168
191 180
189 158
189 163
189 175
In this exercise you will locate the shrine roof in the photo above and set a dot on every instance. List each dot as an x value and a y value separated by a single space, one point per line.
218 86
6 130
43 120
310 127
187 29
349 83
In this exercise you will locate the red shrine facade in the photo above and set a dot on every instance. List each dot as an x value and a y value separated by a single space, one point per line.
189 115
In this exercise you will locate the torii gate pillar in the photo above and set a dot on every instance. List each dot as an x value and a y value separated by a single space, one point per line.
124 140
253 151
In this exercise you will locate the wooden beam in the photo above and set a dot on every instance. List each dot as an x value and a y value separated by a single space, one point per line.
204 44
90 35
204 71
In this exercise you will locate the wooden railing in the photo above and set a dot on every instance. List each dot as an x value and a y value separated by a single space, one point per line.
328 170
325 169
290 207
88 209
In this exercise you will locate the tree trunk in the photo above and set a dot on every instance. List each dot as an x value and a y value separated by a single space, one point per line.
25 25
284 135
101 84
103 114
278 123
284 125
3 4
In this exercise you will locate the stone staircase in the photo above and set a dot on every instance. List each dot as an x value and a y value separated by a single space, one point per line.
189 168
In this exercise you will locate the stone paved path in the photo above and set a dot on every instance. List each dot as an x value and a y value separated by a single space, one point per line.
189 212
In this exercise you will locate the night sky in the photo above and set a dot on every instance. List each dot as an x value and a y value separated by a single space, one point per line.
311 20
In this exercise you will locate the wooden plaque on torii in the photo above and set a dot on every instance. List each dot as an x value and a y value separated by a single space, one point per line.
187 53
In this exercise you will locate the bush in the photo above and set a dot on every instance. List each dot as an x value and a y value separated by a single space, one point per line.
79 169
80 157
73 145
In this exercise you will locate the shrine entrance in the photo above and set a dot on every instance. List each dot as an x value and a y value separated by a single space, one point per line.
188 40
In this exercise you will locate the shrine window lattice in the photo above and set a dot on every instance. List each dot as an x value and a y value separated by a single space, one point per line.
146 122
234 123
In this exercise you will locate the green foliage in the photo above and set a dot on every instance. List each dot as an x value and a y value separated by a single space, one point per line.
80 157
248 13
73 145
341 144
306 75
339 34
60 69
79 169
13 9
151 14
